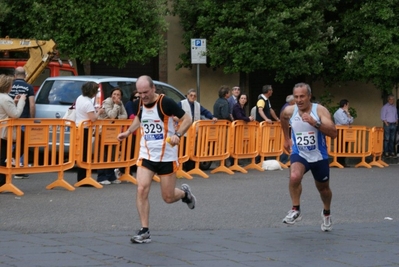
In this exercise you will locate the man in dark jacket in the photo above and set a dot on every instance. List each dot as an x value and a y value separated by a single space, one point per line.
221 108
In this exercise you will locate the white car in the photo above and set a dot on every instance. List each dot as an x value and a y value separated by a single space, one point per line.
57 94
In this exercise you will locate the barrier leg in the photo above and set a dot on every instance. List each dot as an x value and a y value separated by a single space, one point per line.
284 166
335 163
383 163
222 168
156 178
182 174
198 171
236 167
253 165
9 187
127 177
60 182
375 162
88 181
363 163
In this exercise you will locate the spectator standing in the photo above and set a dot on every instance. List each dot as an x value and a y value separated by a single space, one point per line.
193 108
9 108
289 101
196 111
131 105
85 110
343 117
264 111
20 86
221 108
389 117
157 155
239 108
113 109
310 123
233 99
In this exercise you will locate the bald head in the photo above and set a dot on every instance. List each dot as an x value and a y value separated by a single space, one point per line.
145 80
20 72
146 89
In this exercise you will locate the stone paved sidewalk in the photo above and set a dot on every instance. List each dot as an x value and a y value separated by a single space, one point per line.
371 244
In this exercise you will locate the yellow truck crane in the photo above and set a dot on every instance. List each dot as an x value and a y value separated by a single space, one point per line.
39 63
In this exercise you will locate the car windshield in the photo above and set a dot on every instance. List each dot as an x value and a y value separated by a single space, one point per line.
59 92
127 88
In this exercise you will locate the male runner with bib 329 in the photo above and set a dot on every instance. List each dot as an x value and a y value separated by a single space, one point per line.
157 154
310 123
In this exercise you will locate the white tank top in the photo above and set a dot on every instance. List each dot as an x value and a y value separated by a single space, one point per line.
308 142
154 131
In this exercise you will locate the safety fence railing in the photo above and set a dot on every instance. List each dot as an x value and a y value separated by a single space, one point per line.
99 148
351 142
57 145
271 145
244 144
377 144
209 141
45 140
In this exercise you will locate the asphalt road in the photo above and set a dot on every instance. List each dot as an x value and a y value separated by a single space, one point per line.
239 201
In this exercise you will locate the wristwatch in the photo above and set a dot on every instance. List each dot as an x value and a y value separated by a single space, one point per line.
318 124
178 134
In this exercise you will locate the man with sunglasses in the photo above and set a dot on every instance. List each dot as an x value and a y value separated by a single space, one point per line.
193 108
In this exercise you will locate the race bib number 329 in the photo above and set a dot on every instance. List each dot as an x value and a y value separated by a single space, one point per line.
153 130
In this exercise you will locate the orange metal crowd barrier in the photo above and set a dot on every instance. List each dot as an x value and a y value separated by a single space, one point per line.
377 147
209 141
271 144
104 150
45 150
244 144
351 141
44 137
183 157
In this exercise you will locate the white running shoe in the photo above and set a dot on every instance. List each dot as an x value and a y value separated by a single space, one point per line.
190 199
13 162
326 224
292 217
116 181
118 173
105 182
141 237
21 176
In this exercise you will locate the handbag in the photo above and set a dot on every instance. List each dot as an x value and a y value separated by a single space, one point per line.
70 114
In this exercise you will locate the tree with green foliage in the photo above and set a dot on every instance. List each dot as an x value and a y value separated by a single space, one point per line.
4 11
333 40
115 32
367 49
286 38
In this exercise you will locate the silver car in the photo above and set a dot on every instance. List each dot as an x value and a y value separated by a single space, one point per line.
57 94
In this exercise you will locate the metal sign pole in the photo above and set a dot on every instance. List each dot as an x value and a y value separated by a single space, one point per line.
198 83
198 56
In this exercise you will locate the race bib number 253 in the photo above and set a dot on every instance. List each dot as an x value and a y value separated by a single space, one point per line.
306 141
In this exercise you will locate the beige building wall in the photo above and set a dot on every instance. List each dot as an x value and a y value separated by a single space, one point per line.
365 98
184 79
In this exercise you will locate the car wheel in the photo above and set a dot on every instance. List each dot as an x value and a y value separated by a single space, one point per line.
205 165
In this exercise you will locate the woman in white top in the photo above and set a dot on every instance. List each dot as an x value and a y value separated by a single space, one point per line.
9 108
85 110
113 109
